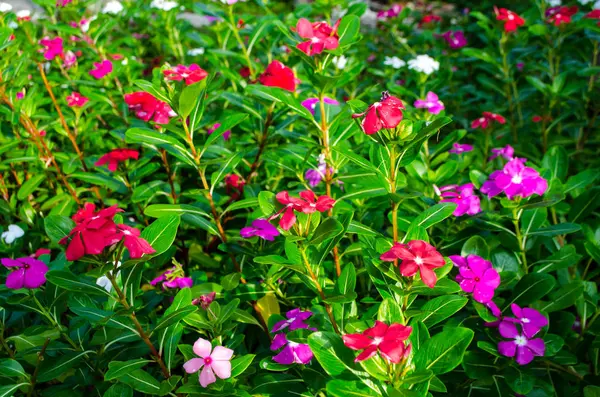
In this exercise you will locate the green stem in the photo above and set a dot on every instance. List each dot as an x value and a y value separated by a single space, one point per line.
240 41
516 217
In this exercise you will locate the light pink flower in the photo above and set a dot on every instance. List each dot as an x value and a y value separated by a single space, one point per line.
216 362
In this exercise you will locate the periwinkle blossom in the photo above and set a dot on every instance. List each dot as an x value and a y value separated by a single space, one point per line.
432 103
196 51
394 62
314 176
459 148
463 196
486 119
205 300
389 341
5 7
26 272
311 103
455 39
416 256
296 319
385 113
112 7
293 352
523 348
531 320
53 47
515 180
339 62
391 12
69 59
173 278
164 5
308 203
14 232
477 276
424 64
101 69
508 152
261 228
213 362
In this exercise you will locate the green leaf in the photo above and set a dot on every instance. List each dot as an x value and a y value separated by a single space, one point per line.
556 230
119 390
161 233
348 29
174 317
9 390
591 391
335 358
52 369
556 160
478 365
444 352
519 381
141 381
581 180
117 369
533 219
10 368
162 140
584 204
239 364
30 185
71 282
358 160
566 257
160 210
231 281
564 297
101 180
431 216
475 245
225 168
244 317
190 96
346 282
538 84
439 309
278 95
345 388
326 230
147 86
226 125
532 287
58 227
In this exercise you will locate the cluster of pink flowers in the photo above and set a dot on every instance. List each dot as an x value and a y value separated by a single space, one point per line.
308 203
147 107
515 179
292 352
387 113
416 256
320 36
390 341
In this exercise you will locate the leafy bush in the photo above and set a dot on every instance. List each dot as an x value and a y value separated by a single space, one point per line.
402 203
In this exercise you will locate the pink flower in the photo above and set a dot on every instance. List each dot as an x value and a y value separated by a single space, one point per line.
204 301
216 362
261 228
20 95
320 36
455 39
293 352
62 3
458 148
392 12
26 273
419 256
432 103
523 348
511 20
54 47
147 107
296 319
531 320
463 196
136 245
390 341
311 103
507 152
384 114
76 100
560 15
173 278
226 135
40 252
308 203
101 69
515 180
114 157
69 60
477 276
486 119
190 75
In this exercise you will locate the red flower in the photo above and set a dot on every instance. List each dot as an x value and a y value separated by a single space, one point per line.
417 255
429 19
191 74
40 252
136 245
278 75
244 72
308 203
388 340
234 186
484 121
560 15
76 100
511 20
320 36
114 157
147 107
595 14
384 114
94 232
536 119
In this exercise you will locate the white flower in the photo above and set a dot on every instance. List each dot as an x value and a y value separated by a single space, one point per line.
554 3
13 25
424 64
105 283
13 233
125 61
394 62
5 7
164 5
195 51
23 14
453 21
112 7
340 62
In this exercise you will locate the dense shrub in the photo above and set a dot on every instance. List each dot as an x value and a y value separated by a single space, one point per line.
309 200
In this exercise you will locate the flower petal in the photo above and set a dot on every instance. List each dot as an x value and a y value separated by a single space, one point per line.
222 368
508 330
357 341
193 365
207 376
221 353
202 348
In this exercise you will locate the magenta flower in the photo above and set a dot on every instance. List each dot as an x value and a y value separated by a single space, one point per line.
293 352
76 100
463 196
314 176
261 228
70 59
477 276
455 39
521 347
136 245
515 180
173 278
226 134
392 12
101 69
507 152
296 320
54 47
216 362
459 148
531 320
431 103
311 103
27 273
204 301
20 95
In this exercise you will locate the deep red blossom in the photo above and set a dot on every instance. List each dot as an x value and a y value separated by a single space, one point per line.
594 14
278 75
234 185
560 15
386 113
114 157
147 107
429 19
419 256
190 74
486 119
511 20
320 36
308 203
136 245
390 341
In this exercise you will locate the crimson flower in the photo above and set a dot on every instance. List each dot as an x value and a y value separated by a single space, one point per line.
419 256
191 74
429 19
278 75
320 36
147 107
386 113
114 157
560 15
136 245
308 203
76 100
390 341
511 20
486 119
594 14
234 185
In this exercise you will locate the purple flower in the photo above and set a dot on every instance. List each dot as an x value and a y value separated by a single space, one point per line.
314 176
432 103
520 65
293 352
212 129
507 152
295 320
204 301
515 180
496 312
531 320
27 272
311 103
521 347
455 39
477 276
458 148
173 278
261 228
463 196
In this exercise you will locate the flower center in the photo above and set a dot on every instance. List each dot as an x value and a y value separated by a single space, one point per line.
521 340
418 260
511 17
517 179
377 340
208 360
525 320
477 279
